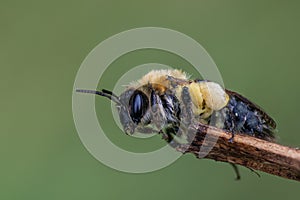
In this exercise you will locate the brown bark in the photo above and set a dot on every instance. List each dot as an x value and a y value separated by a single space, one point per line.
247 151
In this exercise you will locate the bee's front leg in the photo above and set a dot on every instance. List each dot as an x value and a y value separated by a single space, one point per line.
158 115
168 135
184 130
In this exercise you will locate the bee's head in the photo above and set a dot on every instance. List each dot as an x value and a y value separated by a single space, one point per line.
132 109
131 104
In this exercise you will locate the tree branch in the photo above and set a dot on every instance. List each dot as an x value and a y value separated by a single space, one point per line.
245 150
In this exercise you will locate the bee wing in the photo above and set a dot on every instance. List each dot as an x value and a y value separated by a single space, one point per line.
269 121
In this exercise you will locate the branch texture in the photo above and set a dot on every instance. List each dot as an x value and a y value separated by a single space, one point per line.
247 151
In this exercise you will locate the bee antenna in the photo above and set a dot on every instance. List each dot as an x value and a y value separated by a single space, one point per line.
110 93
104 93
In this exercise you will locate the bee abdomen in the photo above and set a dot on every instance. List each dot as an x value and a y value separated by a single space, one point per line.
238 117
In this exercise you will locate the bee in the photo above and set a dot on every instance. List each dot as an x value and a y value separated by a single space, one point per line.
164 101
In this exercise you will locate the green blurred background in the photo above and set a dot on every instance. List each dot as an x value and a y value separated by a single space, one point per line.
42 44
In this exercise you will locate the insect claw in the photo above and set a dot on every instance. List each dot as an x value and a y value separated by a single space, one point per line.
231 138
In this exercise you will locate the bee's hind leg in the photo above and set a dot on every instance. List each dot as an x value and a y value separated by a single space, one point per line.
232 137
236 170
232 128
255 172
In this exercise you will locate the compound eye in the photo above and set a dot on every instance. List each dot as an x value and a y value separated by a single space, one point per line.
138 105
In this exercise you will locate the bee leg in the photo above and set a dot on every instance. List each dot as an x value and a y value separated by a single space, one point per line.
187 116
187 119
236 170
232 128
255 172
231 138
158 115
168 135
187 112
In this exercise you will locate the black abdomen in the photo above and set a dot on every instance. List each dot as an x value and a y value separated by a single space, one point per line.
242 116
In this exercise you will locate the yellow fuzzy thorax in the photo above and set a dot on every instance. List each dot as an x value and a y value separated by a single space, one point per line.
206 96
158 79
